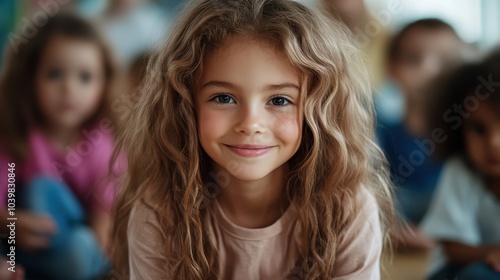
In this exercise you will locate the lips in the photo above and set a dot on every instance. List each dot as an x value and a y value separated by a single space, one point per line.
67 106
250 151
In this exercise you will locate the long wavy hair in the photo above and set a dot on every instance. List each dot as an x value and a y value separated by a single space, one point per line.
19 109
336 158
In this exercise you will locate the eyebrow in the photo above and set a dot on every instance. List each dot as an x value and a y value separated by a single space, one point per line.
268 87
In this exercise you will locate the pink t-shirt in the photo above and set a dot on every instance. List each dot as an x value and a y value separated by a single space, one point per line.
83 167
263 253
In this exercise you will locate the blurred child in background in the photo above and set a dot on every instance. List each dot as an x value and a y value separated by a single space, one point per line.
464 215
57 130
416 55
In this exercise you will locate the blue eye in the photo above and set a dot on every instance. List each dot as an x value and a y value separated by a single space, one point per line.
223 99
279 101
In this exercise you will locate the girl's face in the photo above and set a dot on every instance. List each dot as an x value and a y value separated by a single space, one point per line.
69 81
482 139
249 109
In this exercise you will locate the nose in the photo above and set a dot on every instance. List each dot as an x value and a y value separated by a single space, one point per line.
250 121
431 67
68 86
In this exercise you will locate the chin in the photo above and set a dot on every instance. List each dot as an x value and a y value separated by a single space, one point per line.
249 176
69 122
247 173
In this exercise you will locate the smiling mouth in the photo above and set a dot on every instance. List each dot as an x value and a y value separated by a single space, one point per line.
249 150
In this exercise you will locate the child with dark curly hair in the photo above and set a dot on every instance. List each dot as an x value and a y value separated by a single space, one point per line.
463 215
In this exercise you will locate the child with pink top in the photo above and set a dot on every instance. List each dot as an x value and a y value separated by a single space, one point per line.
251 152
58 140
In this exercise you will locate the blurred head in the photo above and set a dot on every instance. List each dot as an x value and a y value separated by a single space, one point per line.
59 78
179 128
481 133
469 113
70 80
420 51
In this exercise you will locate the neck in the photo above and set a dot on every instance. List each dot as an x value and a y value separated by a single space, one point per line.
61 136
255 204
415 122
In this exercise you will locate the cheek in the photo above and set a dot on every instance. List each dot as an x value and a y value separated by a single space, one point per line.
288 129
212 124
474 146
405 77
92 96
47 94
412 78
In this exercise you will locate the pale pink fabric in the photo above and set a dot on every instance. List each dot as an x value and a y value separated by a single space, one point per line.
83 168
264 253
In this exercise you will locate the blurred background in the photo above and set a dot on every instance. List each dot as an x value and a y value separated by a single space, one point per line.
406 43
476 21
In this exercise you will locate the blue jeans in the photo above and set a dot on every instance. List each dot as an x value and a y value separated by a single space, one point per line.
475 271
74 252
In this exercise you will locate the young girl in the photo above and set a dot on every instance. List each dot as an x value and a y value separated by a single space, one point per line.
251 152
463 216
56 143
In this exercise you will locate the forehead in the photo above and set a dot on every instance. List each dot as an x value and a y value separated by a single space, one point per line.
69 50
243 60
423 39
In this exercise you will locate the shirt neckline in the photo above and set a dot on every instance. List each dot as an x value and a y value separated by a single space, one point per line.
254 233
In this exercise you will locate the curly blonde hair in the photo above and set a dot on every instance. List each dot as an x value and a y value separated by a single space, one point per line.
336 158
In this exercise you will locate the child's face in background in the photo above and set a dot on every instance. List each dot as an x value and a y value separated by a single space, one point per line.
250 116
69 81
422 55
482 139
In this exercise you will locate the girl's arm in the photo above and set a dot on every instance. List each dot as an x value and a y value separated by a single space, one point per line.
463 254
